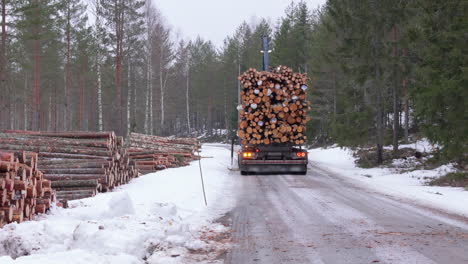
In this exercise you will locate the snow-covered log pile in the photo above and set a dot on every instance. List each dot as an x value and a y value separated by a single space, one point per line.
151 153
274 107
23 189
79 164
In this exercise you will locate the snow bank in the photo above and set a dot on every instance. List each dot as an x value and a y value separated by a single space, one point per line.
410 184
157 218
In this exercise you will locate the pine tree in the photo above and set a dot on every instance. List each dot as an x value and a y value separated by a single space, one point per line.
73 14
121 16
38 28
440 93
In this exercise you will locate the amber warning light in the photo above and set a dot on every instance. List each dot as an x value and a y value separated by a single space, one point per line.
301 154
247 154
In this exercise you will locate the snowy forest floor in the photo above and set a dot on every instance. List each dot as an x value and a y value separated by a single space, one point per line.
157 218
406 178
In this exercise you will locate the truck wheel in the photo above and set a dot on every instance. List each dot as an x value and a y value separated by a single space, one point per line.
244 173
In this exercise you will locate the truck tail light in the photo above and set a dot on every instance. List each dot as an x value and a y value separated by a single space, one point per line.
300 154
247 155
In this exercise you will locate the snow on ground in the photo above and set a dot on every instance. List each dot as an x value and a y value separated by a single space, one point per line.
422 145
409 184
157 218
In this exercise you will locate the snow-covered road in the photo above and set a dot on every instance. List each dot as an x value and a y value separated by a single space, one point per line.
339 213
324 217
157 218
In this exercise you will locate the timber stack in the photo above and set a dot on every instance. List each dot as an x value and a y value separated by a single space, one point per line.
152 153
274 107
24 191
78 164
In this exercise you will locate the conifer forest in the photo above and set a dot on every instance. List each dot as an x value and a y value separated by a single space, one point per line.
380 71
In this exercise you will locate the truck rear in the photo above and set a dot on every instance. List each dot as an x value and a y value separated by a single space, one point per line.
273 158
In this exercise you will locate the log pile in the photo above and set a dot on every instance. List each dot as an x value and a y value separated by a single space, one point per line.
24 191
152 153
274 107
79 164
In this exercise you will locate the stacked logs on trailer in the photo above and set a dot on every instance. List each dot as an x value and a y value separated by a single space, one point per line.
24 191
274 107
152 153
79 164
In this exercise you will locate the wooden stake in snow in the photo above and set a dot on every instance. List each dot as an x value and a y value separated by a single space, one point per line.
201 176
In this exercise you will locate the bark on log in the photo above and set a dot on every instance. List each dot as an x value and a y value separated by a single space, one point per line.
14 139
64 150
58 177
74 183
72 156
75 171
71 134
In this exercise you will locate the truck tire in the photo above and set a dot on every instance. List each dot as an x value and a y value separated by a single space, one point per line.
304 172
244 173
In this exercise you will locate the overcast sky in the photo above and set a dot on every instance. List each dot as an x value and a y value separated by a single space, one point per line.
215 19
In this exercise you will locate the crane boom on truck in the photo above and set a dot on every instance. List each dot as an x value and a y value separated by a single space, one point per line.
272 120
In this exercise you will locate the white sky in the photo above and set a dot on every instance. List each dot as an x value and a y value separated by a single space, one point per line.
216 19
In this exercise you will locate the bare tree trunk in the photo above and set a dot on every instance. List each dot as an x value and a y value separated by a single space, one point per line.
129 98
119 22
99 97
97 5
98 25
148 110
35 107
3 48
14 114
146 125
82 102
395 96
25 103
67 70
118 88
378 86
161 85
151 110
135 103
226 117
187 99
4 93
210 115
49 127
149 98
152 99
379 118
334 95
405 89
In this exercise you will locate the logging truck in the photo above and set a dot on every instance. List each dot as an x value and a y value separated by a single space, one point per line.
272 118
274 158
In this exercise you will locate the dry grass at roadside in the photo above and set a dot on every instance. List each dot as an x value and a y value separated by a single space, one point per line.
454 179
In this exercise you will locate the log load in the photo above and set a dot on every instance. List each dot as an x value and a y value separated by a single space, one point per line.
152 153
24 191
79 164
274 107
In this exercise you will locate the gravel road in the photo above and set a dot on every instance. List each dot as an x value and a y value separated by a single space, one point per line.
323 217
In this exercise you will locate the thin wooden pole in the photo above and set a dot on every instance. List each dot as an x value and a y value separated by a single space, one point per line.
201 176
